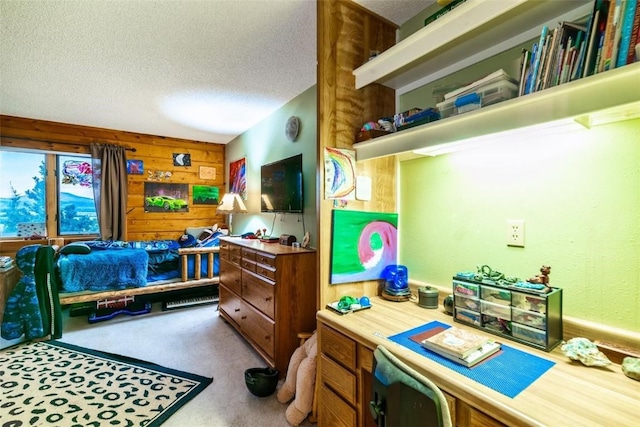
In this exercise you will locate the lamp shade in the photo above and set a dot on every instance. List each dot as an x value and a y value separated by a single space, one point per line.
231 203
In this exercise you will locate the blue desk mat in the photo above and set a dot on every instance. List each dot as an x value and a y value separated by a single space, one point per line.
508 372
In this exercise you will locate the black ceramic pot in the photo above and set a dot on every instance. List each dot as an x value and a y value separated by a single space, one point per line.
448 304
261 382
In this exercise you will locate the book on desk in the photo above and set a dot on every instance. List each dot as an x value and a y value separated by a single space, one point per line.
488 349
459 345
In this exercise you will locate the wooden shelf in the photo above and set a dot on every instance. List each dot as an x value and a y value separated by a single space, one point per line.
603 98
472 32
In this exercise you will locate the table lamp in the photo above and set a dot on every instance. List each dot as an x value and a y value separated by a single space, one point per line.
231 203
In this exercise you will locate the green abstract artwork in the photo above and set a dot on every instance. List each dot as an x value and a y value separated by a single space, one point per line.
362 245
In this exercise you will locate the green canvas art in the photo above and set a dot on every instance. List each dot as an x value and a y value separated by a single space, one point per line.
363 244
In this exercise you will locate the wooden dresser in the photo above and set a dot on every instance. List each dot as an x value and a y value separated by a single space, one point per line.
268 293
569 394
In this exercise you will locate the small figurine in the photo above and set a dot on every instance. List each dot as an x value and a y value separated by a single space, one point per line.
542 278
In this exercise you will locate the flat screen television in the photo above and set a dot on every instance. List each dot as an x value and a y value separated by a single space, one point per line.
281 185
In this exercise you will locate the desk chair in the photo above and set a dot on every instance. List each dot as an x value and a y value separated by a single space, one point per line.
401 397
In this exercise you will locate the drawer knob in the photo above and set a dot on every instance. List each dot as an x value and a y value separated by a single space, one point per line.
244 317
237 310
268 299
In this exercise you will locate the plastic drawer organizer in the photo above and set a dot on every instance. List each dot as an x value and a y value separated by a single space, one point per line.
523 315
482 96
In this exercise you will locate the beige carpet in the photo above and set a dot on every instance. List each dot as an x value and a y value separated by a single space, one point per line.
196 340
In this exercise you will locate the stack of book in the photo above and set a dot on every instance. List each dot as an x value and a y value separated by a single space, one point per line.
461 346
6 263
604 40
447 6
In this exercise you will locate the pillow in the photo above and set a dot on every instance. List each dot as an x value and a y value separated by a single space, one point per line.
187 241
75 248
195 231
212 240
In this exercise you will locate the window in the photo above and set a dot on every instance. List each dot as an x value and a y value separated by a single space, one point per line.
22 194
25 184
76 209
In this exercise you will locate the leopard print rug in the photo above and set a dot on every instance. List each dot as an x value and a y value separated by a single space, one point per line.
57 384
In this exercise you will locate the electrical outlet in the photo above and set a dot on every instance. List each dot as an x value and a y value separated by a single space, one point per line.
515 232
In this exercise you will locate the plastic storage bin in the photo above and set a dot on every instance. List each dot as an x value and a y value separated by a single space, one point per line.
529 318
490 93
466 289
496 310
496 295
529 334
496 324
529 302
467 302
468 316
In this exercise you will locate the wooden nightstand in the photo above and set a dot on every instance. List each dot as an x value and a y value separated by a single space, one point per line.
8 280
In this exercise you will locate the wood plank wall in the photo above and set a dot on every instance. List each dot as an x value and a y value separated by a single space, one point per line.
156 152
347 33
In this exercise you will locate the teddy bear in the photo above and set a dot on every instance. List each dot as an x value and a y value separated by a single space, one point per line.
300 382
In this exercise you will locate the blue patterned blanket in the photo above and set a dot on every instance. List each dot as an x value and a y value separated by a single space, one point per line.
104 270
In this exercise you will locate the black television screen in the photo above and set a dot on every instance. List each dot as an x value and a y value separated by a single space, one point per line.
281 185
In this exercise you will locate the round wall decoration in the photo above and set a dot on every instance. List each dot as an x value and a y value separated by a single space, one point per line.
291 128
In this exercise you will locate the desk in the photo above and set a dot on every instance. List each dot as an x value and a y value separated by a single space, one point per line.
569 394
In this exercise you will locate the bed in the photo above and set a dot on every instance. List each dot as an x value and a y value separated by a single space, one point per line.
110 270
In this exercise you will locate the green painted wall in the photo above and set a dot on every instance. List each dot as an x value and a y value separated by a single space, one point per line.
265 143
579 195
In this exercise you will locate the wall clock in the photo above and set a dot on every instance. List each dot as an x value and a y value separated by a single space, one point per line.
291 128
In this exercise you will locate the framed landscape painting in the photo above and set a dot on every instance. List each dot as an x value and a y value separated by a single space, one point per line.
362 245
206 195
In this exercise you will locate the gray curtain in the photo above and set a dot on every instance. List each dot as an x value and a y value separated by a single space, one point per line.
110 189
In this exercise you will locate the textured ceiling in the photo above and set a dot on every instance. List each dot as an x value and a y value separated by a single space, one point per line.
204 70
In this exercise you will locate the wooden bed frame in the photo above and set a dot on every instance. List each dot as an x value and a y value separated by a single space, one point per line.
183 282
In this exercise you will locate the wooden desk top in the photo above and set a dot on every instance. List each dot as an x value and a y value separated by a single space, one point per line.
569 394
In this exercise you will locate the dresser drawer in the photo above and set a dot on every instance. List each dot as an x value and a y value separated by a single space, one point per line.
265 271
223 253
230 276
258 293
230 303
334 411
338 347
248 264
338 379
266 259
248 254
259 328
235 253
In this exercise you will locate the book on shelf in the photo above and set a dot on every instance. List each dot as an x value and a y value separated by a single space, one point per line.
448 7
544 59
627 23
488 349
619 20
455 341
525 60
531 84
609 30
635 34
594 37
